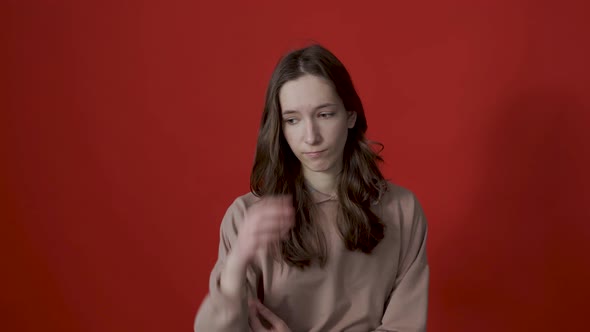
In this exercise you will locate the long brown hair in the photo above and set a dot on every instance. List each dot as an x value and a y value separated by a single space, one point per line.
277 170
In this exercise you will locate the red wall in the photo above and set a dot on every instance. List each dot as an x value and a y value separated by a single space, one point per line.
127 128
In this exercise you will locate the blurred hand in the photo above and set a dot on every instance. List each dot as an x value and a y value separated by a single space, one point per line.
258 309
265 222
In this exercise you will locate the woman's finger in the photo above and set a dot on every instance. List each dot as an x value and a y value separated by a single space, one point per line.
271 225
254 321
273 319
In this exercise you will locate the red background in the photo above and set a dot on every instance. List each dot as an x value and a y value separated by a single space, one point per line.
128 127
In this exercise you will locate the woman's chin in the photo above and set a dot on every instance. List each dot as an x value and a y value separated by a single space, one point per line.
318 167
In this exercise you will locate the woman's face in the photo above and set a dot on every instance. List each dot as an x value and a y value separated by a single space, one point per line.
315 123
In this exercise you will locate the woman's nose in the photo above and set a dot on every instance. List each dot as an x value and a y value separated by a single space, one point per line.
312 133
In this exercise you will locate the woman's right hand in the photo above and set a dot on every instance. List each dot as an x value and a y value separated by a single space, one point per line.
266 222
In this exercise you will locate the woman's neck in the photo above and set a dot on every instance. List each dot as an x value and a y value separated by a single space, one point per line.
323 182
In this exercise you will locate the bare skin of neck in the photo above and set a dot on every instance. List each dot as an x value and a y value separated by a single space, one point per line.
324 182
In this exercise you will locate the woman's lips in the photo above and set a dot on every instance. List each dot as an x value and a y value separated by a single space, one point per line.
313 154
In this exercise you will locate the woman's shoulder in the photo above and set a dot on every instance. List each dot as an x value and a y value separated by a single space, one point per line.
236 211
242 202
400 201
395 193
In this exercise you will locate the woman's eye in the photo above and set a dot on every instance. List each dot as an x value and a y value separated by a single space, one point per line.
290 121
326 114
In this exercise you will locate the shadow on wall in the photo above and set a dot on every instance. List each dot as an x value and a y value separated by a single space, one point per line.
520 261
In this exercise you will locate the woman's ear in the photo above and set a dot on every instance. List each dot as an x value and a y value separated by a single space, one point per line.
351 119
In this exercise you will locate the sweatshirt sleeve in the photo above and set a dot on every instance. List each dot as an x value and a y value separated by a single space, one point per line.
406 309
218 312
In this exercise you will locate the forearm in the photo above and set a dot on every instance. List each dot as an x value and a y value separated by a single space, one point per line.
233 277
225 308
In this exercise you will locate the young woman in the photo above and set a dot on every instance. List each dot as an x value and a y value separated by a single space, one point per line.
323 242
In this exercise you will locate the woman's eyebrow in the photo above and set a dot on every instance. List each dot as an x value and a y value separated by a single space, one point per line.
324 105
286 112
320 106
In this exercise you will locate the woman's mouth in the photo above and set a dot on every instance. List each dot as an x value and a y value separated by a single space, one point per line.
313 154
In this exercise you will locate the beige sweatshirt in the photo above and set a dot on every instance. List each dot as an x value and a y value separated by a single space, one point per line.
386 290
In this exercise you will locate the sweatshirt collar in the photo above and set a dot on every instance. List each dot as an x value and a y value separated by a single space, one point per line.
318 196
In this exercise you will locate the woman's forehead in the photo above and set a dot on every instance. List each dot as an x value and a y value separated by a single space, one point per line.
307 92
